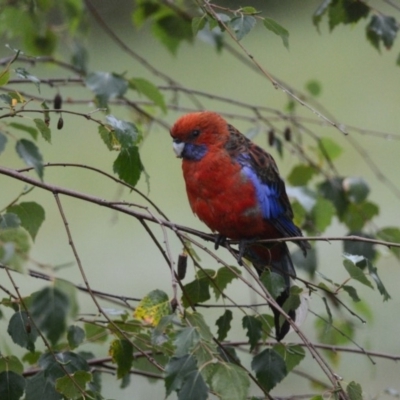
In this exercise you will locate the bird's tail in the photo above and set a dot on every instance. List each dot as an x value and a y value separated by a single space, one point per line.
278 260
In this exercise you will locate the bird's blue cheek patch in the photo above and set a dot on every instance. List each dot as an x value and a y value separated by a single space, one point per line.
194 151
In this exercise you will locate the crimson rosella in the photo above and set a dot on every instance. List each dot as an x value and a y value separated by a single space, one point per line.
234 187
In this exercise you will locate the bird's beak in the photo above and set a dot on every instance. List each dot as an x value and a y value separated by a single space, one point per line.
178 147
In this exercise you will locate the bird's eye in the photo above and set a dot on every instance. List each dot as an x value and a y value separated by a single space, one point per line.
195 133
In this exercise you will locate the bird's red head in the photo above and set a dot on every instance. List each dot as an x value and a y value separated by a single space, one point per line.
203 128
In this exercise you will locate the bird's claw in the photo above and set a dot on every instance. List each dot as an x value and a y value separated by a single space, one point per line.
219 240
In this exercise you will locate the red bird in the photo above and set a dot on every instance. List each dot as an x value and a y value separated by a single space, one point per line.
234 187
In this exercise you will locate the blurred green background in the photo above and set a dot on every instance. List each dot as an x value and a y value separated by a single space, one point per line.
359 88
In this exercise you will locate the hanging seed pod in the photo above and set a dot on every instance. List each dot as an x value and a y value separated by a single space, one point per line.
271 137
60 123
182 266
287 133
57 102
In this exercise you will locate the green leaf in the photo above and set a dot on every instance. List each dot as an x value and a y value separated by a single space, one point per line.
41 386
351 292
32 131
198 291
4 77
253 327
354 391
242 25
3 141
11 363
308 263
128 165
9 220
230 382
224 324
6 98
75 336
332 189
322 214
49 309
273 282
198 23
358 214
314 87
106 86
43 129
40 44
279 30
121 352
319 12
185 341
126 132
357 189
149 90
382 28
197 320
225 275
373 273
329 148
95 333
359 248
30 154
23 73
109 138
301 175
31 215
153 307
12 385
291 354
183 377
353 267
22 331
391 234
68 387
14 247
270 368
346 12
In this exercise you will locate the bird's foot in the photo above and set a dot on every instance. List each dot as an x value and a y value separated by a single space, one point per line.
243 245
219 240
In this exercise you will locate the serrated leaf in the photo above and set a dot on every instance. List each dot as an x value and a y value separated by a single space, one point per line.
351 292
9 220
357 189
242 25
373 273
198 291
273 282
41 386
106 86
253 328
68 387
382 28
185 340
224 324
224 276
31 216
229 382
12 385
391 234
75 336
49 308
198 23
329 148
3 141
149 90
128 165
121 352
354 391
358 214
319 12
22 331
270 368
30 154
291 354
346 12
43 129
197 320
322 214
301 175
352 265
29 129
109 138
126 132
95 333
15 248
23 73
183 377
279 30
153 307
332 189
360 248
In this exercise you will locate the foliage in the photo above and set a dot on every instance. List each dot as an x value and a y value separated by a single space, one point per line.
166 336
